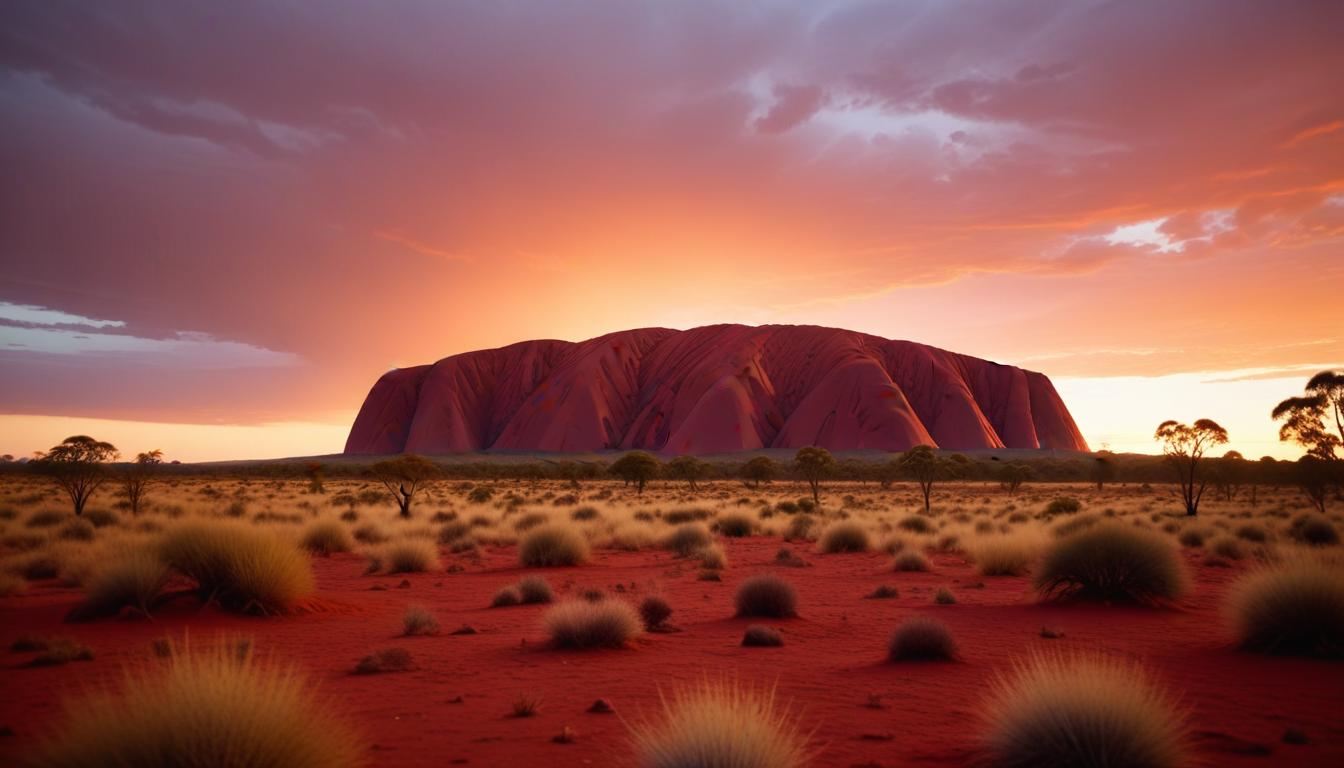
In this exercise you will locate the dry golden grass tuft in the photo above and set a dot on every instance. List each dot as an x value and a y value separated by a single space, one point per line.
133 579
844 536
587 624
1295 607
410 556
688 538
720 724
552 544
327 537
1005 554
417 621
1081 711
240 566
1113 562
200 708
911 560
921 639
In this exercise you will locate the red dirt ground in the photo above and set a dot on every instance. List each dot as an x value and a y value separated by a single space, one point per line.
832 661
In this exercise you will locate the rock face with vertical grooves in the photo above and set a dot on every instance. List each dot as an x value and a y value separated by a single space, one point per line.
717 389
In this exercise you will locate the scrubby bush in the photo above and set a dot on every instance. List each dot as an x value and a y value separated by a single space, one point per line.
944 596
1252 533
721 724
534 590
921 639
583 514
712 557
766 596
1228 547
584 624
370 533
915 524
45 518
911 560
326 537
418 621
410 556
799 527
844 536
133 579
506 597
654 611
203 706
1313 529
760 636
1112 562
1084 711
1296 607
552 545
1064 505
1003 555
454 532
883 592
687 539
1075 524
239 566
1193 536
385 660
735 524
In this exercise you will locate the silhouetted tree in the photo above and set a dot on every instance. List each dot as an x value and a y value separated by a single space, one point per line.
923 464
78 467
137 476
315 471
636 467
1184 446
403 476
1227 474
1316 476
812 464
1103 470
1012 475
1306 419
760 469
689 468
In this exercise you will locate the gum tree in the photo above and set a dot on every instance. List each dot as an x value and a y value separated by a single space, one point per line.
1184 446
137 476
79 467
636 467
404 476
812 464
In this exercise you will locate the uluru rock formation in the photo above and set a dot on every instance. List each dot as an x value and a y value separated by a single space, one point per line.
716 389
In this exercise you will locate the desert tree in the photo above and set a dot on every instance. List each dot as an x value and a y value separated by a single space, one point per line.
403 476
1103 469
1012 475
1316 476
1184 445
1227 474
923 465
636 467
689 468
79 467
760 469
813 463
1307 419
137 476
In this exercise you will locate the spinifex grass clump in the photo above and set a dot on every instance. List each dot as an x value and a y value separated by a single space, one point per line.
767 597
241 567
921 639
843 537
1111 562
583 624
203 708
552 545
1296 607
721 724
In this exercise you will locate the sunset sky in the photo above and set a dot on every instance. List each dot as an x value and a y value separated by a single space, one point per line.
221 222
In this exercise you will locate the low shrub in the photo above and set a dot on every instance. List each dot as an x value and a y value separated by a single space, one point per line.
534 590
721 724
911 560
552 545
766 596
800 526
203 706
134 579
584 514
1081 711
1228 547
1111 562
883 592
844 536
921 639
1004 555
239 566
506 597
385 660
418 621
759 636
1064 505
1295 607
712 557
1256 534
582 624
1193 536
410 556
1313 529
915 524
735 524
45 518
654 611
326 537
687 539
944 596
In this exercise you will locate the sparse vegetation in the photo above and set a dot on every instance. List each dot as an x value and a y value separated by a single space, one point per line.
1295 607
843 537
1111 562
552 545
921 639
766 597
239 566
721 724
583 624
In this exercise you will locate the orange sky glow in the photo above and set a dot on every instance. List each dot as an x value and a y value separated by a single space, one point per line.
216 253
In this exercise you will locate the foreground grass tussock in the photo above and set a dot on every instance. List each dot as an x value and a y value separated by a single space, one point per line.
242 567
720 724
688 538
1004 555
1082 711
552 545
203 706
1295 607
327 537
410 556
1113 562
585 624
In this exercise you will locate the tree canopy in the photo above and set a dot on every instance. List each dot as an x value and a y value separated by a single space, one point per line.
813 463
78 467
636 467
1184 446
